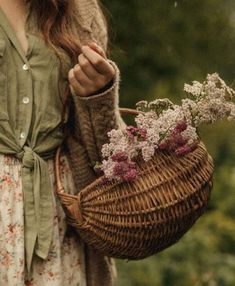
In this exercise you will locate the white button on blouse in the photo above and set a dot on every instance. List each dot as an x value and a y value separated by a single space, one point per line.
22 135
25 67
25 100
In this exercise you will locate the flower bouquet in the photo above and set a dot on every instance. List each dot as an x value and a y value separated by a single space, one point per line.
165 126
157 175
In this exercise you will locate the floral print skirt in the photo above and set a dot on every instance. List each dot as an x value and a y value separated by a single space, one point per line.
65 264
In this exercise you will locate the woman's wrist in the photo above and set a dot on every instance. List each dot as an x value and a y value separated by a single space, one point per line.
103 89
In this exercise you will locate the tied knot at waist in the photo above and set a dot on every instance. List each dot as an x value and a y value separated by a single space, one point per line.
28 157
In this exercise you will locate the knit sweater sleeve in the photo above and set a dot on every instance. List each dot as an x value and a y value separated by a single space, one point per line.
97 114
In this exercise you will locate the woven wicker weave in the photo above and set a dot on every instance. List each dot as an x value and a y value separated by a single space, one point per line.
138 219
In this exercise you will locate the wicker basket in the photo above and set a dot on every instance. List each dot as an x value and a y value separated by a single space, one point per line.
138 219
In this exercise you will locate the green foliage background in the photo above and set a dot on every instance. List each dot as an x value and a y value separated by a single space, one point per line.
159 45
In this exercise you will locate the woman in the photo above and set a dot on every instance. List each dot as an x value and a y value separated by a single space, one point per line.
57 87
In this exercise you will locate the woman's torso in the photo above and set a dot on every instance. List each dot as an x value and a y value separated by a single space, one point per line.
31 88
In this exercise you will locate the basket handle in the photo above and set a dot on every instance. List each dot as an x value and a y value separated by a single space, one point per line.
59 185
130 111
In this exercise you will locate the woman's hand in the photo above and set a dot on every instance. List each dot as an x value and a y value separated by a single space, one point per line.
92 73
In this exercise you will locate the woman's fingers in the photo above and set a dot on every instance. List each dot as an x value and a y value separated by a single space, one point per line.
87 67
98 49
99 63
81 76
75 80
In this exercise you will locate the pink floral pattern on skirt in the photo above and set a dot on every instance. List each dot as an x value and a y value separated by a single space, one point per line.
65 264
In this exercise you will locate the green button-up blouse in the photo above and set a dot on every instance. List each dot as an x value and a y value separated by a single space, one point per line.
31 91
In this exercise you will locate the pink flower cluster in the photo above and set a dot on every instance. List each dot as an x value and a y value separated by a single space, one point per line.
165 126
124 167
178 143
135 131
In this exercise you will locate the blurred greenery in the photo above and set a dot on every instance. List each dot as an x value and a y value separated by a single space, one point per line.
159 45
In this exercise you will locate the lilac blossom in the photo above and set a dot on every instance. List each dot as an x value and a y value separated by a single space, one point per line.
120 156
184 150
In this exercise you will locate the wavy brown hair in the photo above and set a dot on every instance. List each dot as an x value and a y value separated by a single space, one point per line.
54 20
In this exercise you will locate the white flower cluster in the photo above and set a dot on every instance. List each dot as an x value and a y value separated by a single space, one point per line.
212 100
